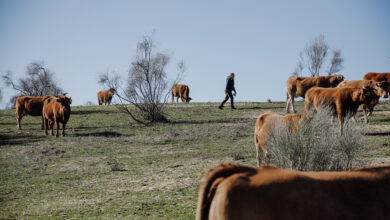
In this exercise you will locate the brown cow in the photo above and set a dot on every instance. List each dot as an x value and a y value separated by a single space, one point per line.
180 91
377 77
56 110
106 96
266 122
380 89
29 105
297 86
341 100
237 192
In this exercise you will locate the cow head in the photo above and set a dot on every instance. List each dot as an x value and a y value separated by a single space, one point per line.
112 90
188 99
367 95
65 102
382 89
336 80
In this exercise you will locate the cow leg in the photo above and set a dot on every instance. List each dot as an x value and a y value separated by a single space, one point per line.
371 108
292 104
51 124
45 121
63 129
19 116
288 103
365 116
177 99
57 127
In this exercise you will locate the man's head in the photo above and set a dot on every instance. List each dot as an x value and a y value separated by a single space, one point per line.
231 75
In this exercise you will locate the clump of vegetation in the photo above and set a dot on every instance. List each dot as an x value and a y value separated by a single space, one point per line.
114 163
316 145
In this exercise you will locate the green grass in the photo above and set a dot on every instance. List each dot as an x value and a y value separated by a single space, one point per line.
160 166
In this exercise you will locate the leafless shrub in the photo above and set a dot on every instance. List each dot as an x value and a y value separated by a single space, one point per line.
317 145
38 82
147 89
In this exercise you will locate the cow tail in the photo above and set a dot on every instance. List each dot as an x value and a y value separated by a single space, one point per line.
210 184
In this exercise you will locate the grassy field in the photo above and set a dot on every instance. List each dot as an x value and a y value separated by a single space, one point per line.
159 167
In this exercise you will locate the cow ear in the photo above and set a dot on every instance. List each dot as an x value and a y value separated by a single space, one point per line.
70 100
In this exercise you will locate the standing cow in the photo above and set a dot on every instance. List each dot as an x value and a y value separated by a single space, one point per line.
341 100
30 105
380 89
56 110
297 86
180 91
266 122
105 96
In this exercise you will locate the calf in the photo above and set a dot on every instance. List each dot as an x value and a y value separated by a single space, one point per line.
297 86
266 122
380 89
237 192
105 96
56 110
180 91
341 100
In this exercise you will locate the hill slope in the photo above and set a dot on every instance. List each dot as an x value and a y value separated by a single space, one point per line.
158 168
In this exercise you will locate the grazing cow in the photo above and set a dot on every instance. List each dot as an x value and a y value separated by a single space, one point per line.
380 89
56 110
29 105
237 192
264 125
105 96
341 100
297 86
180 91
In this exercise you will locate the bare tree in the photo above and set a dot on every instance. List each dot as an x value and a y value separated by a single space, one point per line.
314 56
335 63
109 80
298 70
148 87
38 82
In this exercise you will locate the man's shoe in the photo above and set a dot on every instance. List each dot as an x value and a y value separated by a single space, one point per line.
220 107
233 107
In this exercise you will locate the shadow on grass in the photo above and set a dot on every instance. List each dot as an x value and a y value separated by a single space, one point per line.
383 120
378 134
107 134
19 139
216 121
87 112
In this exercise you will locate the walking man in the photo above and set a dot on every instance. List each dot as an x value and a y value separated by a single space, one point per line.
228 91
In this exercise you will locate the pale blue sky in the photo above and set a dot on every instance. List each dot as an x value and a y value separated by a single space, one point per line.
258 40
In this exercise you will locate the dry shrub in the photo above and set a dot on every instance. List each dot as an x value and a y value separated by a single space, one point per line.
316 146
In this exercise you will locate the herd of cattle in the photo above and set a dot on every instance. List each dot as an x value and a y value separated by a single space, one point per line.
241 192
